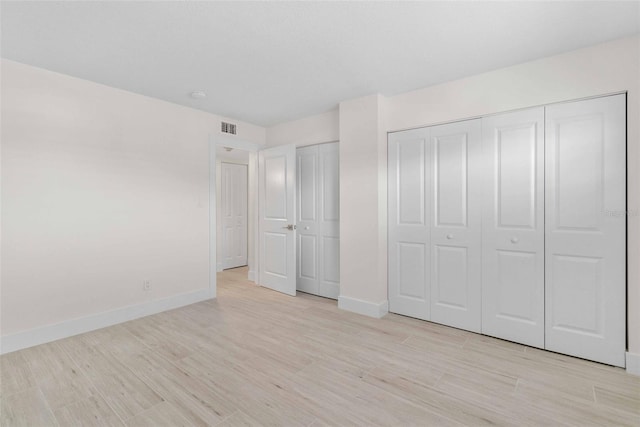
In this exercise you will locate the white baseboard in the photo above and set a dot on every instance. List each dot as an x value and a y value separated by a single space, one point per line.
365 308
252 276
219 268
633 363
92 322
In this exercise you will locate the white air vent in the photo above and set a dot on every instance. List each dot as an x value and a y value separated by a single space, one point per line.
228 128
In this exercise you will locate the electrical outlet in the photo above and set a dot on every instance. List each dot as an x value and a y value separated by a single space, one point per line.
146 285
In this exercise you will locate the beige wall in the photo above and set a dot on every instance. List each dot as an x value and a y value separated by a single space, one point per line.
63 138
101 189
363 273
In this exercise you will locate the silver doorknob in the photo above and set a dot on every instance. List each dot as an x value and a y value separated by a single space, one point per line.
290 227
514 240
449 236
307 227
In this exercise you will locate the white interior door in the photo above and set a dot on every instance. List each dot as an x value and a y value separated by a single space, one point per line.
277 179
318 214
455 234
234 214
585 229
513 227
409 177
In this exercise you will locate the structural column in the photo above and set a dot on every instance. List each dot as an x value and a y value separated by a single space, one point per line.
363 206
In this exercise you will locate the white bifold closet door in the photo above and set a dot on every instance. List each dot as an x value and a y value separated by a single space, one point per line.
456 223
409 178
318 226
585 229
435 224
234 215
513 227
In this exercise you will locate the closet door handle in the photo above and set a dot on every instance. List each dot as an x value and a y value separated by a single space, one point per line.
514 240
449 236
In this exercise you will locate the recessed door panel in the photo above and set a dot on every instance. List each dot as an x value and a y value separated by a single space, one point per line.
451 272
455 227
410 186
513 227
411 270
308 256
331 259
517 176
585 249
330 176
579 168
307 185
275 189
517 284
450 178
274 245
408 181
577 295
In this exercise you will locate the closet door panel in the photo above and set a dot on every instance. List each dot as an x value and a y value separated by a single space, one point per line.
307 214
455 226
513 227
586 229
409 251
329 220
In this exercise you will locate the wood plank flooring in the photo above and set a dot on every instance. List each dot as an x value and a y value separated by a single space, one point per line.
256 357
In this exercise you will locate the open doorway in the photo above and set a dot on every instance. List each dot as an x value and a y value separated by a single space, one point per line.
232 194
232 159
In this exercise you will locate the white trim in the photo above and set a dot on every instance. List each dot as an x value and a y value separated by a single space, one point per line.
92 322
234 142
221 140
633 363
365 308
252 276
213 284
584 98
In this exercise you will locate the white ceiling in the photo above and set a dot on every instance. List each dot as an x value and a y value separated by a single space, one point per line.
269 62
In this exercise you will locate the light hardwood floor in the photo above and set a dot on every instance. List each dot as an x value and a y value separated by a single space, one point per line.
257 357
